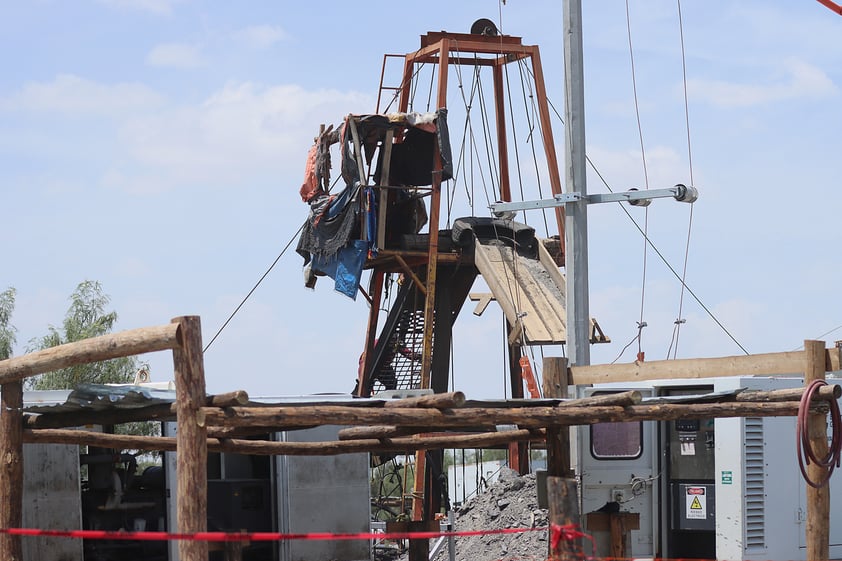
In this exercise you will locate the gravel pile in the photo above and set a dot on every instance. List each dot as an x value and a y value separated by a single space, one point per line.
510 502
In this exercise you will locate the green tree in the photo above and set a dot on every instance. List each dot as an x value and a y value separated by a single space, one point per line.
7 331
87 317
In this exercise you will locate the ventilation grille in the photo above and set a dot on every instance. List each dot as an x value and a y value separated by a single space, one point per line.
755 500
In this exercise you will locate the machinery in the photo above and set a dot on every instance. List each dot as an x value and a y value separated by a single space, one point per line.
396 217
725 488
69 487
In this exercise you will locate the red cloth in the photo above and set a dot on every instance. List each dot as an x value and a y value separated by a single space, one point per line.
310 188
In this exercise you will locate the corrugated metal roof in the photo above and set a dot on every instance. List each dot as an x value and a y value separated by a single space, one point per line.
99 397
105 397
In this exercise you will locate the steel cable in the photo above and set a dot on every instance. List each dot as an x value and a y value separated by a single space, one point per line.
646 185
679 320
237 309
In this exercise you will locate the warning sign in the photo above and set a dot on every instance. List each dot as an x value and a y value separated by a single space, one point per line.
696 504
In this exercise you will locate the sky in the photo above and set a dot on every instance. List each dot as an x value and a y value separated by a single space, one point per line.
157 147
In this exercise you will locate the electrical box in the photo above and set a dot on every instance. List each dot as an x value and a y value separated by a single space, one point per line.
694 506
732 485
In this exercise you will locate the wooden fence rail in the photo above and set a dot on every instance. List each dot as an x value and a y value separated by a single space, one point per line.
286 418
768 364
116 345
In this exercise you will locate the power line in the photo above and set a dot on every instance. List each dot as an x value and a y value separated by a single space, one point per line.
818 337
645 181
237 309
679 321
655 249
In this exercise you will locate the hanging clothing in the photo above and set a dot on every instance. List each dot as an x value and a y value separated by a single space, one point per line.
345 268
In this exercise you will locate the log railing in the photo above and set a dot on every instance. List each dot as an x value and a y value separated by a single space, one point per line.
105 347
402 425
768 364
217 423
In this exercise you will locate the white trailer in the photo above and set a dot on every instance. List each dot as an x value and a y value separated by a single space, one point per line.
726 488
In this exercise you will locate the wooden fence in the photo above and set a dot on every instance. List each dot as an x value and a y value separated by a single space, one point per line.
218 423
184 337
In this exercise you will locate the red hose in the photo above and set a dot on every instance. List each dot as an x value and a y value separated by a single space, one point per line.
806 454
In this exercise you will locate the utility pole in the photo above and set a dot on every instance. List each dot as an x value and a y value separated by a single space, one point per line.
576 213
575 199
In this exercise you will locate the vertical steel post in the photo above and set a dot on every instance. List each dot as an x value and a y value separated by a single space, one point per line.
549 140
576 223
502 144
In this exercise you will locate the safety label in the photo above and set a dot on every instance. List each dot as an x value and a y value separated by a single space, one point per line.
696 504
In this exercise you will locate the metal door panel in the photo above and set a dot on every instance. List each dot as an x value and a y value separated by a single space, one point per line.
629 481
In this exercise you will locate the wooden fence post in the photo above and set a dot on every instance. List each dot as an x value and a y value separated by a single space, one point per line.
554 384
818 499
191 439
11 468
565 543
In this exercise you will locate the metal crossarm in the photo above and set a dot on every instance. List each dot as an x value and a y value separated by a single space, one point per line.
634 197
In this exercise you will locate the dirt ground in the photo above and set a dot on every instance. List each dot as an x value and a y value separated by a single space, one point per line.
510 502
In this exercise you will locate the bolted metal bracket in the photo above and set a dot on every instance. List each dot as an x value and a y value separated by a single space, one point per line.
680 193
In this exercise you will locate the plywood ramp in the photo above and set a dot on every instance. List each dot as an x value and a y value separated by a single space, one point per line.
530 290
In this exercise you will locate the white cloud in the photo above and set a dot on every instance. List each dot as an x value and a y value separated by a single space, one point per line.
801 81
132 267
72 94
623 169
242 129
136 182
260 36
159 7
176 55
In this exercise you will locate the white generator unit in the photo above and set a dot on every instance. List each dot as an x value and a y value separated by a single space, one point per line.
727 488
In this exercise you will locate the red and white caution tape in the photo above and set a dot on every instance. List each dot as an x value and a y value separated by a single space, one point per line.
249 536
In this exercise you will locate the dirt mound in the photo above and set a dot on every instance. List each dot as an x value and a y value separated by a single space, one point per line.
510 502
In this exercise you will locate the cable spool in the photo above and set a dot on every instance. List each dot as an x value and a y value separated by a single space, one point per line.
485 27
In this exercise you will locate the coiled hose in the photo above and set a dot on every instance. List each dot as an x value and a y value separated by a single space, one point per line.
806 454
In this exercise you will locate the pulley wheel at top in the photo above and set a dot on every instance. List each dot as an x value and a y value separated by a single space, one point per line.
484 26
